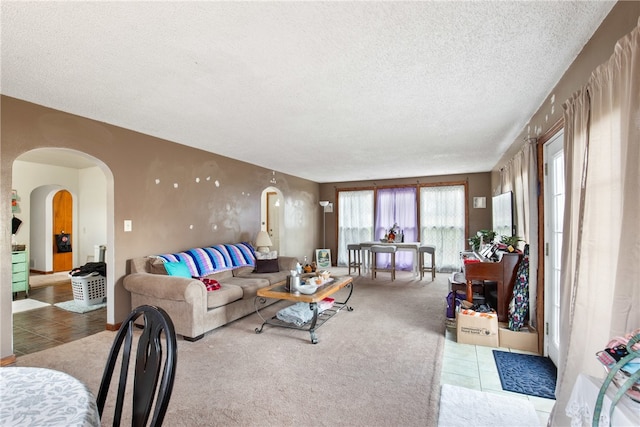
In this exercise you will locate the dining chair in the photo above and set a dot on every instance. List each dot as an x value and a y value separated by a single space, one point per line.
353 253
423 267
379 249
149 383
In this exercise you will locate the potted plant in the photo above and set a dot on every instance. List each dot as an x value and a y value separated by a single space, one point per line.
482 236
510 240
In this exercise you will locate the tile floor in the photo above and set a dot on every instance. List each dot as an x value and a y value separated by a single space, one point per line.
473 366
48 327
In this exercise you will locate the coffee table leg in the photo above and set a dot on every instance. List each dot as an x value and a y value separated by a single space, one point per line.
312 328
257 302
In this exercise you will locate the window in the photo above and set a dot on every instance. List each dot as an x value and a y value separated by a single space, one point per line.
398 206
439 219
355 220
442 223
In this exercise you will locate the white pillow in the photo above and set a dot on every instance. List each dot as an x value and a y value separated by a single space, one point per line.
267 255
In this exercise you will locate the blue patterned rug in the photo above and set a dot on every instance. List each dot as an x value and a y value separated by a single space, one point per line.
526 374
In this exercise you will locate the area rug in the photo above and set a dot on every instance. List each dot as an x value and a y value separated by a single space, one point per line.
79 308
18 306
464 407
526 373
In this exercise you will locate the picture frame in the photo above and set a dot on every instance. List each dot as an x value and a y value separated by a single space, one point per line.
323 258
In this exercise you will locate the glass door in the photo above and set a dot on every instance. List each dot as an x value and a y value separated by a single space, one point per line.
553 214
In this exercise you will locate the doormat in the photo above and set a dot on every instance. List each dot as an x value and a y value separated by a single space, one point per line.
526 374
18 306
484 409
79 308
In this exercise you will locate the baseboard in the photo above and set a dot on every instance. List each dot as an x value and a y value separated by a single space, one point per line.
6 361
112 327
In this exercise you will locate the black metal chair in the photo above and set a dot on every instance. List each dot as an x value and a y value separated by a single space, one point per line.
156 328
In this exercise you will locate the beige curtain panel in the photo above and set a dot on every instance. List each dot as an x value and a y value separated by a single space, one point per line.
600 287
520 175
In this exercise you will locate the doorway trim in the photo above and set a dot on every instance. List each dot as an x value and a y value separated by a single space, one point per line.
110 220
264 211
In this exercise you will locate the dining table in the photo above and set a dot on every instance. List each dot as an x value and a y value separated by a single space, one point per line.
45 397
400 246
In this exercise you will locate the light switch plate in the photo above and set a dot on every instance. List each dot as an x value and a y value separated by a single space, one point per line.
127 225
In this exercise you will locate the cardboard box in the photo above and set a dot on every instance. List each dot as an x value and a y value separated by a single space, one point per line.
526 339
477 328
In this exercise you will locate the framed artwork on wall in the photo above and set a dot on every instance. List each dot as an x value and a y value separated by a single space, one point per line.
323 258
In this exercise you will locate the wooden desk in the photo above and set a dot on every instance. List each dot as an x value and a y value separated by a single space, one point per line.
502 272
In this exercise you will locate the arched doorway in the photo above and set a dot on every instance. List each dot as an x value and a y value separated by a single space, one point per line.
43 173
272 216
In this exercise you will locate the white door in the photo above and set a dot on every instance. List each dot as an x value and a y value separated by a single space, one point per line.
273 219
553 214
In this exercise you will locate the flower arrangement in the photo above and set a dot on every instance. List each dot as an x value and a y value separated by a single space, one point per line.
392 233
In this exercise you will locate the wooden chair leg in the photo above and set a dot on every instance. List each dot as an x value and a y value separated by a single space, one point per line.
393 266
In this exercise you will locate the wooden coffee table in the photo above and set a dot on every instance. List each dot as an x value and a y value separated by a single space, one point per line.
278 291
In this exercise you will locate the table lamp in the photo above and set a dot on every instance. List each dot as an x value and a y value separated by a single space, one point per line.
263 241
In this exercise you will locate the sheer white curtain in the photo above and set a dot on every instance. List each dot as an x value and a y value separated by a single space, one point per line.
520 175
601 246
397 206
355 220
442 223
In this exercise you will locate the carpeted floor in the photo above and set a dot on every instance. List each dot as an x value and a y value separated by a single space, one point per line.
526 373
463 407
377 365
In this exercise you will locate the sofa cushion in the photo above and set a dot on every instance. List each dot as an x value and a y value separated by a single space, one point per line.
243 271
226 294
249 285
267 266
272 278
178 268
221 276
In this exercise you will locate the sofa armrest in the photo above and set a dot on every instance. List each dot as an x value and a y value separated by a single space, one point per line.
287 263
166 287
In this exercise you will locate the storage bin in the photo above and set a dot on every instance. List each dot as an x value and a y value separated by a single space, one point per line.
88 290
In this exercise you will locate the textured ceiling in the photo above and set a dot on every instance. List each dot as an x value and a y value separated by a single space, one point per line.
328 91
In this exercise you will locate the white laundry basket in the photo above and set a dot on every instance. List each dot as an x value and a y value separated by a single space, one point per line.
89 289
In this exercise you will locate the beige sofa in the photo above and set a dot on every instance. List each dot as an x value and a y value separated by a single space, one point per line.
193 309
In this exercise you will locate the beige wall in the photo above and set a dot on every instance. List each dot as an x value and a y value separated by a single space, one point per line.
152 182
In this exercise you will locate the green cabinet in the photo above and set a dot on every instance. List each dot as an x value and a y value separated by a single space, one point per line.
20 272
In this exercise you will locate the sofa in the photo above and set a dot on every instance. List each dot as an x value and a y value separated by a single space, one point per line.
179 283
